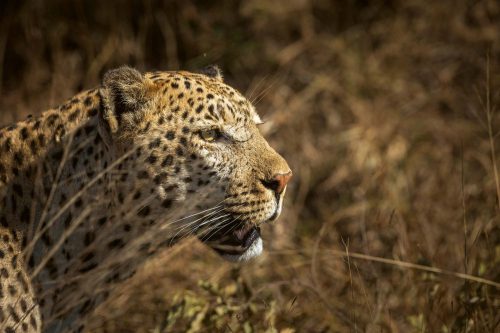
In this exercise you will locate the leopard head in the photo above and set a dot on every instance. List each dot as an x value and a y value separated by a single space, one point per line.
196 143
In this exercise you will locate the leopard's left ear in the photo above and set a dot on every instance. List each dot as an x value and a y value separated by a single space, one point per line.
124 91
213 71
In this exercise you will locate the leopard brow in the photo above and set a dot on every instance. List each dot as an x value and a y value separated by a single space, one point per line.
239 140
225 133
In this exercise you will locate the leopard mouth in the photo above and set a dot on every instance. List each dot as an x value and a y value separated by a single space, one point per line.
239 244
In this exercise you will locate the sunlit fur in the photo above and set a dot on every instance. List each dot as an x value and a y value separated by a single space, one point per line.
90 189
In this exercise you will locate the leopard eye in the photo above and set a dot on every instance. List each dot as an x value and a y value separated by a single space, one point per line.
210 135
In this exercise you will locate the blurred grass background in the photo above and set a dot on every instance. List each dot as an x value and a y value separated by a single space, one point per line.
385 111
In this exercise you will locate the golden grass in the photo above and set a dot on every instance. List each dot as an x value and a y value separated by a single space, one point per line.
391 221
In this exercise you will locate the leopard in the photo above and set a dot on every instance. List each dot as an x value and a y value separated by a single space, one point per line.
91 189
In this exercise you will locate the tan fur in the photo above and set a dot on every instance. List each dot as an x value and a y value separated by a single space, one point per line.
92 188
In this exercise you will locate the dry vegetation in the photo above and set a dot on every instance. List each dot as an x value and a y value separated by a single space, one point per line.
385 112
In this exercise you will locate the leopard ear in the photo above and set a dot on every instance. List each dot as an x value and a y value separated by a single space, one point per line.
213 71
124 92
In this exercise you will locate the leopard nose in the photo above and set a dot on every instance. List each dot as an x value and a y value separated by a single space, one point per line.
278 182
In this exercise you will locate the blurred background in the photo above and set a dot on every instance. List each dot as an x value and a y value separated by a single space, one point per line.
385 111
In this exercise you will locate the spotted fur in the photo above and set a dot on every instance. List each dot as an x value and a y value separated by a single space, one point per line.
90 189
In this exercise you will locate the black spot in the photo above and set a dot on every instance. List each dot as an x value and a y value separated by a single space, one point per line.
7 146
152 159
33 147
185 130
41 140
170 135
160 177
33 321
144 211
174 85
183 141
171 187
92 112
52 119
87 101
60 131
13 262
210 96
74 115
24 306
167 161
12 290
199 108
179 151
102 220
143 174
24 133
18 158
22 281
166 203
187 84
155 143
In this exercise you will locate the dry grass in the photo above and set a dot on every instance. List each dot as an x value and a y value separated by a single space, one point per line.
386 113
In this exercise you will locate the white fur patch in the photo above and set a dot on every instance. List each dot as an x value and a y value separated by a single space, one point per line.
253 251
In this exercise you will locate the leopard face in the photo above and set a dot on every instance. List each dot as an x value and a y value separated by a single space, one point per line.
197 144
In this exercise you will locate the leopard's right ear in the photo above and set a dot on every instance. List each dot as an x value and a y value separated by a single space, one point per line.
124 92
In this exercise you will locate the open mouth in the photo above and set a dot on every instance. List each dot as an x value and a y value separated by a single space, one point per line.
237 244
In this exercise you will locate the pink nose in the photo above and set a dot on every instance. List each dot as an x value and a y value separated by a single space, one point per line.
282 181
278 182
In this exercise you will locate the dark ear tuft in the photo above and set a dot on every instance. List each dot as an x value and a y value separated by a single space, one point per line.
213 71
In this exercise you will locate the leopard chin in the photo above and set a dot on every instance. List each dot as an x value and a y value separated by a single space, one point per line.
251 252
237 245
